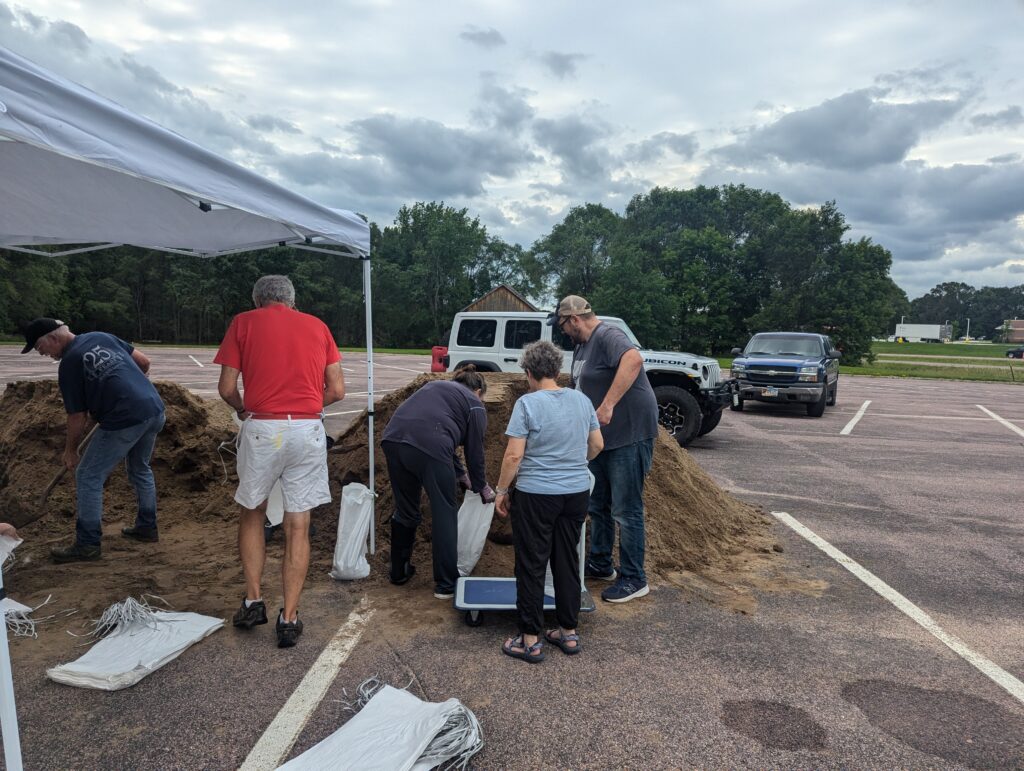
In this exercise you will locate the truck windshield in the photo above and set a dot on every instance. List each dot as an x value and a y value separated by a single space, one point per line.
783 345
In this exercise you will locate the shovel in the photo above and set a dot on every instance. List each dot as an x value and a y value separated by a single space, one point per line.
60 474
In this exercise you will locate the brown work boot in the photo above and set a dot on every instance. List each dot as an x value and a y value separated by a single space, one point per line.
76 552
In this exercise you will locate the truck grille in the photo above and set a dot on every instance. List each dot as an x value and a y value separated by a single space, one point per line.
766 374
714 375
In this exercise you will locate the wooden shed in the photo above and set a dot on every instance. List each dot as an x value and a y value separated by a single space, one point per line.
501 298
1013 331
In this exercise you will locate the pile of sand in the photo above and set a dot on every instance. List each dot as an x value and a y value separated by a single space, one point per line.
691 523
195 564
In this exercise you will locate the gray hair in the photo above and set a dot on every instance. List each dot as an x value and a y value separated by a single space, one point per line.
542 360
273 289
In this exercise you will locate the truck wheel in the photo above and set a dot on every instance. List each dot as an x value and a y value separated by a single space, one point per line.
835 395
737 407
708 422
817 409
678 412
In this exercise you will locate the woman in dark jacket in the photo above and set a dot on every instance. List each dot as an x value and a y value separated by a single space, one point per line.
419 445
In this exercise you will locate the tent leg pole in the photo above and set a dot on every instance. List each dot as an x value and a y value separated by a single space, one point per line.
371 446
8 714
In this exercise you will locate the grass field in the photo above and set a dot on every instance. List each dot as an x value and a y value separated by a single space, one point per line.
989 350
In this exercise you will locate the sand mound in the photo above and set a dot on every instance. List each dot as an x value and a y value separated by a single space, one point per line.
194 566
32 431
691 522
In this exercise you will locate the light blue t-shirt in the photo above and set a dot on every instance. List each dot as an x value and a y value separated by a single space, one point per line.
555 425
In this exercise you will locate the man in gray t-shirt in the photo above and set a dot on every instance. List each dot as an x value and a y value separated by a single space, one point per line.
609 370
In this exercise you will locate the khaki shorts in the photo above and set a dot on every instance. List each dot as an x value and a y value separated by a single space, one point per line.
294 451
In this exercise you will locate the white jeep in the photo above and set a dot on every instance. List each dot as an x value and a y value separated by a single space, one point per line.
689 389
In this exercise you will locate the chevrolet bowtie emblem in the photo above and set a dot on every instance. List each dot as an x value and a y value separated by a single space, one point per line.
772 372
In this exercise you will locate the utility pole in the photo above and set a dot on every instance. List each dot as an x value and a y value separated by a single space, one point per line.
968 331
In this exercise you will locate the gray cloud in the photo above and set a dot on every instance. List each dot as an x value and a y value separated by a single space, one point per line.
562 66
485 38
504 108
854 131
1011 117
425 159
574 142
272 123
1005 158
654 148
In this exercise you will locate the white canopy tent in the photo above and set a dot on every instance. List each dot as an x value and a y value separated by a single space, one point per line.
77 169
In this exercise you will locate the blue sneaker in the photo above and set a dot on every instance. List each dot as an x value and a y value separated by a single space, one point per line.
591 572
625 590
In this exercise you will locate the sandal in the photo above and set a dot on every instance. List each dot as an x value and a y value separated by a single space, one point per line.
563 640
532 653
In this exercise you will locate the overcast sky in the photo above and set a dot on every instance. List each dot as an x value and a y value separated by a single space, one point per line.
909 115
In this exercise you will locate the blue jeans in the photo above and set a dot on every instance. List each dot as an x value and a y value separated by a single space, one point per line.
133 444
618 499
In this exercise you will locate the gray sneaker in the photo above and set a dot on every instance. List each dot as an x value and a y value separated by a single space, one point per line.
625 590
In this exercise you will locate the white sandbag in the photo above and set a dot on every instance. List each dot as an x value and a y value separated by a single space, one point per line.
7 547
353 530
134 650
474 522
393 733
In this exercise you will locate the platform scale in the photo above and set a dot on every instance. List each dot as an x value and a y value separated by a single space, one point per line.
475 594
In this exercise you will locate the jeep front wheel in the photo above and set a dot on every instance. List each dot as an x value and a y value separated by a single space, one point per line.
678 412
709 422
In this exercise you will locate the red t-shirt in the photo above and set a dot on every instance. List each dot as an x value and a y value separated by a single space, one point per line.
282 354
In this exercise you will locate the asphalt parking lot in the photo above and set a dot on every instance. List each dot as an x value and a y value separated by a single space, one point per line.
922 491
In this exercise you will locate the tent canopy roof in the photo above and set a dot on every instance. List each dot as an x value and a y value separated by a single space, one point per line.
76 168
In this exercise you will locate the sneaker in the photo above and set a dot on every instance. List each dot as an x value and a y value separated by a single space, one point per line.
246 617
444 594
625 590
591 572
287 631
147 534
76 552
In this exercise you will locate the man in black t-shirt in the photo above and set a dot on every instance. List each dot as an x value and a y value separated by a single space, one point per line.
103 377
609 369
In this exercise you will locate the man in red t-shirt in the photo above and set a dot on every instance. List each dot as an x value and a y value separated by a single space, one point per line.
291 369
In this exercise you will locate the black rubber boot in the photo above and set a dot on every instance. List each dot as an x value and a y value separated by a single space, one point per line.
403 538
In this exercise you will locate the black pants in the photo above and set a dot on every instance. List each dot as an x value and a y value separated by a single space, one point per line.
412 471
547 527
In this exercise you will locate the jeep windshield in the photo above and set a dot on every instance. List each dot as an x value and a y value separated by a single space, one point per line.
783 345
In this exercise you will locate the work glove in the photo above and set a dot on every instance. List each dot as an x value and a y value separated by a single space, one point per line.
464 482
487 495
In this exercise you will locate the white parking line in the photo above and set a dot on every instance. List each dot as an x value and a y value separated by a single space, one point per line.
856 418
1004 421
198 363
404 369
993 671
277 741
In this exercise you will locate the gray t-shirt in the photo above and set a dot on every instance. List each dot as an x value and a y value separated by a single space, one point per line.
555 425
594 365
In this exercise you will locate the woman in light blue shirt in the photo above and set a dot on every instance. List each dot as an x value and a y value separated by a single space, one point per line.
553 433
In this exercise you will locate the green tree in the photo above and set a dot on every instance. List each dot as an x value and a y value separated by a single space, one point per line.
575 254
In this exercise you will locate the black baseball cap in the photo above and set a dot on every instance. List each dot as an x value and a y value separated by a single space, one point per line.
38 328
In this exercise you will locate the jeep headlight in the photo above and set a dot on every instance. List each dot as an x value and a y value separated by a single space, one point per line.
808 374
704 374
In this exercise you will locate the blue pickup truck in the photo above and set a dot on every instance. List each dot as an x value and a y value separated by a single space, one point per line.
785 367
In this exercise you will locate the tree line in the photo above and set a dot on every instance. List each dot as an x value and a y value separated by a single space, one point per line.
699 269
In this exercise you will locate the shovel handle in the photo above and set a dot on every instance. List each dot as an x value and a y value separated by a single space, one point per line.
63 469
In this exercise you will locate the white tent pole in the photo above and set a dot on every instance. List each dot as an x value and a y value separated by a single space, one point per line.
8 715
371 447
